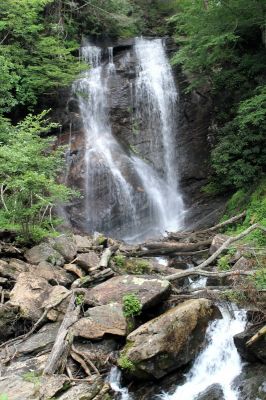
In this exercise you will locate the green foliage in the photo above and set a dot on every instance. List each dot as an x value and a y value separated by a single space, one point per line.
254 202
240 154
260 279
125 363
3 396
33 59
223 263
29 168
137 267
235 296
131 305
119 260
222 50
79 299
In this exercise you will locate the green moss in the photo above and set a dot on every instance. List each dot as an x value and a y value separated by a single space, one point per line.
125 363
32 377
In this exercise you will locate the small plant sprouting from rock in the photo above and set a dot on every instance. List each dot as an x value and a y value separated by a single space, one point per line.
131 305
80 299
124 363
119 260
3 396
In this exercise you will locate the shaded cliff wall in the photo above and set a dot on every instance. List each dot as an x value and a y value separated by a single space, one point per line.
192 134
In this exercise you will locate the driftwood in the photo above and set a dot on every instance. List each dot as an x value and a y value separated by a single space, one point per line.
257 336
215 255
96 277
195 272
58 357
162 248
193 234
107 254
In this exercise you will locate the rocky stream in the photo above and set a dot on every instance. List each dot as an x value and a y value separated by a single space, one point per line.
139 311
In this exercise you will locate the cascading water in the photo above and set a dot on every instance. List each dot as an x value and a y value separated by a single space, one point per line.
114 380
218 363
124 195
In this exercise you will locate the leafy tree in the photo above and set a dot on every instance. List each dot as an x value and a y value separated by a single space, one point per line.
223 48
28 186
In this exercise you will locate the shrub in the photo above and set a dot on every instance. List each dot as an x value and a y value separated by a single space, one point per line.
131 305
125 363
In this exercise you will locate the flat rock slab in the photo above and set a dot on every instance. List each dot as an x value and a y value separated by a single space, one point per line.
169 341
83 391
149 291
83 243
52 273
107 319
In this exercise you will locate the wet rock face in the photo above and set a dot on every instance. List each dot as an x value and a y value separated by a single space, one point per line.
192 149
255 352
251 383
169 341
213 392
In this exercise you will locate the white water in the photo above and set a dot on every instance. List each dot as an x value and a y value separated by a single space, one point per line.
124 195
114 380
218 363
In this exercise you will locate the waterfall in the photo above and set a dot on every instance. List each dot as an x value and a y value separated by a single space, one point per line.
114 380
125 195
218 363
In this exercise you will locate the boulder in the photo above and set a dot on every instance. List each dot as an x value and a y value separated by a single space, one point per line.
88 261
53 274
28 294
12 269
217 242
169 341
83 243
255 352
251 383
213 392
243 264
44 252
19 380
86 391
58 301
66 246
43 340
52 384
99 351
107 319
150 291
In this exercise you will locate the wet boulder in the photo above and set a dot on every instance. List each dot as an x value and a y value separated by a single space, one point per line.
213 392
106 319
150 291
254 352
251 383
28 294
169 341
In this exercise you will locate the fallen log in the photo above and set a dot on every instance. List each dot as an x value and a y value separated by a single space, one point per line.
257 336
58 357
224 246
163 248
225 223
196 272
